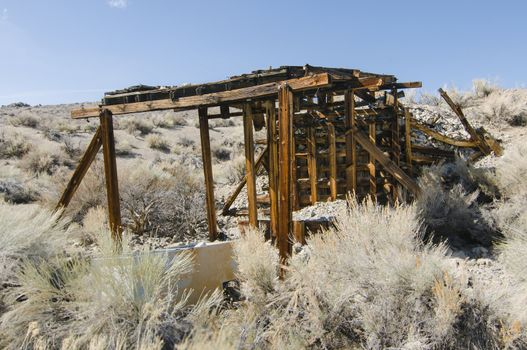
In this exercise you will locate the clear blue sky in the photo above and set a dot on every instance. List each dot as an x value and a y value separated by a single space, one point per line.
60 51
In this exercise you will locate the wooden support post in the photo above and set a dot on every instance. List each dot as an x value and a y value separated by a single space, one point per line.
332 155
408 141
110 172
395 136
272 144
299 231
312 163
285 98
207 170
249 164
80 171
372 133
351 147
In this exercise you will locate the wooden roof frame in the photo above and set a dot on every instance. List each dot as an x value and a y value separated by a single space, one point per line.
260 84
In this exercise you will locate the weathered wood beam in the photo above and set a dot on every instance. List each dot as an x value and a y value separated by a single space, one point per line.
249 164
332 159
257 166
372 133
480 142
272 142
285 187
312 164
213 99
440 137
408 140
386 163
351 148
80 171
110 172
207 171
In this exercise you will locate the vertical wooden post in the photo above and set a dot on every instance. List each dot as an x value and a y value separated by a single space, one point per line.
312 163
351 146
396 147
408 140
110 172
272 144
249 164
80 171
207 171
285 98
332 160
371 161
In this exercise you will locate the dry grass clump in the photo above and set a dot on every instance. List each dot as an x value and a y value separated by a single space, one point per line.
15 192
116 300
170 120
368 283
450 203
236 170
13 145
26 119
158 142
163 200
42 162
136 126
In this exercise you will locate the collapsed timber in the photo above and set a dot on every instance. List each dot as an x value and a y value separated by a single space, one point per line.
330 132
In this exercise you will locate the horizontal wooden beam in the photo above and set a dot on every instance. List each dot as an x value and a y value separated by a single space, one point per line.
213 99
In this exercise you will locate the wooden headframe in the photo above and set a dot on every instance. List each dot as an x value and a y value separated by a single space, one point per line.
330 132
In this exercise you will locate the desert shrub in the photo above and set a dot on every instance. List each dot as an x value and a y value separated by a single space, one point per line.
220 151
12 191
370 282
70 148
117 300
13 145
450 204
170 120
163 200
186 142
158 142
504 106
91 192
123 148
483 87
235 172
139 126
429 99
41 162
26 119
221 123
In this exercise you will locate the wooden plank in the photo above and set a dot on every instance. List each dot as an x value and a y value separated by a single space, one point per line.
230 200
442 138
207 172
299 231
285 171
80 171
272 141
312 164
249 164
395 136
110 172
459 112
408 140
387 163
332 159
351 148
213 99
372 133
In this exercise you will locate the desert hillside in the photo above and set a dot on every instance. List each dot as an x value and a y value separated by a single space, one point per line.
447 271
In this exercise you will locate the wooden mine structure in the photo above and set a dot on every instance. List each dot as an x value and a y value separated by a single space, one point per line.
330 132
